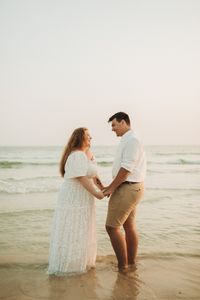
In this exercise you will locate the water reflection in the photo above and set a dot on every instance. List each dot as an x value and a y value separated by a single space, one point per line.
73 287
126 286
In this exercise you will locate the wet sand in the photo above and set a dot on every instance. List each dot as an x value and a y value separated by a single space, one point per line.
161 278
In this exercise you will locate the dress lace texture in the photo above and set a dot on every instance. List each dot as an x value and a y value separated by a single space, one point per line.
73 240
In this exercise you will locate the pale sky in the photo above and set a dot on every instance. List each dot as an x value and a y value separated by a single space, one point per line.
66 64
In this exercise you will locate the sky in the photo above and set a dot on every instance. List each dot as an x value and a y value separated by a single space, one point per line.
67 64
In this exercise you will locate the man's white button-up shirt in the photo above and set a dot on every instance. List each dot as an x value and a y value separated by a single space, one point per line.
130 155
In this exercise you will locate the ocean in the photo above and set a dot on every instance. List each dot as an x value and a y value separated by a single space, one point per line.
167 219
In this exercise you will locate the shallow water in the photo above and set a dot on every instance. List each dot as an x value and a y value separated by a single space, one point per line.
167 219
160 279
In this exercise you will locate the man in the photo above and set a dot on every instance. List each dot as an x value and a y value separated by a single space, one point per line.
126 190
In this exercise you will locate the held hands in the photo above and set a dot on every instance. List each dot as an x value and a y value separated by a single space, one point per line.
104 192
99 195
107 191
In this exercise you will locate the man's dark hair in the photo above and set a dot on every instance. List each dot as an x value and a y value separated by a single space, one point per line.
119 117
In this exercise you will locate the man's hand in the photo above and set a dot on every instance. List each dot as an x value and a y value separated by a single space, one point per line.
107 191
121 176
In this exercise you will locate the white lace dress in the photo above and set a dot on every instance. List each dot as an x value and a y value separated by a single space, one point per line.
73 244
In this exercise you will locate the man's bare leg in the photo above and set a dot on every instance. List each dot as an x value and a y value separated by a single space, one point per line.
119 245
131 240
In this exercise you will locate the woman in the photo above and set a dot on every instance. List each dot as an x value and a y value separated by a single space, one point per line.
73 240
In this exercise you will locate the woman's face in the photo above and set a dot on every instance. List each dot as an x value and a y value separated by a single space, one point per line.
87 140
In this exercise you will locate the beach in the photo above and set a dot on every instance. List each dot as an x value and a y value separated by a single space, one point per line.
176 278
168 264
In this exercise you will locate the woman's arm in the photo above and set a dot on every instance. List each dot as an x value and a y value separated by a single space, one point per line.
88 185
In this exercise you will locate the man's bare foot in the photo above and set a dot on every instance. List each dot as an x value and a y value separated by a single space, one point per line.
132 266
123 269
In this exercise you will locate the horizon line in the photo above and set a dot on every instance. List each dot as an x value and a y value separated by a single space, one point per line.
101 145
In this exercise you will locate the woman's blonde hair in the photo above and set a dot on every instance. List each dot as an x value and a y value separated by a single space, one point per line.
75 142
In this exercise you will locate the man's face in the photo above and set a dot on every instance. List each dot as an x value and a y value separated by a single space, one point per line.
117 127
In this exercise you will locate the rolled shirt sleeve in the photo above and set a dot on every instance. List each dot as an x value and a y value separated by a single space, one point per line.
130 155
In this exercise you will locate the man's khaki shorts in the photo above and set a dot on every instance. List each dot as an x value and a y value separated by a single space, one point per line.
122 203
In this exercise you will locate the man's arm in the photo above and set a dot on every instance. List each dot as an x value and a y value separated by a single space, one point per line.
121 177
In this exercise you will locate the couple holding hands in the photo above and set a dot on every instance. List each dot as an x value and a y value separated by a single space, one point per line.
73 246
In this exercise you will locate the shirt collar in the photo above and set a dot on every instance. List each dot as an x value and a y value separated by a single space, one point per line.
127 134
